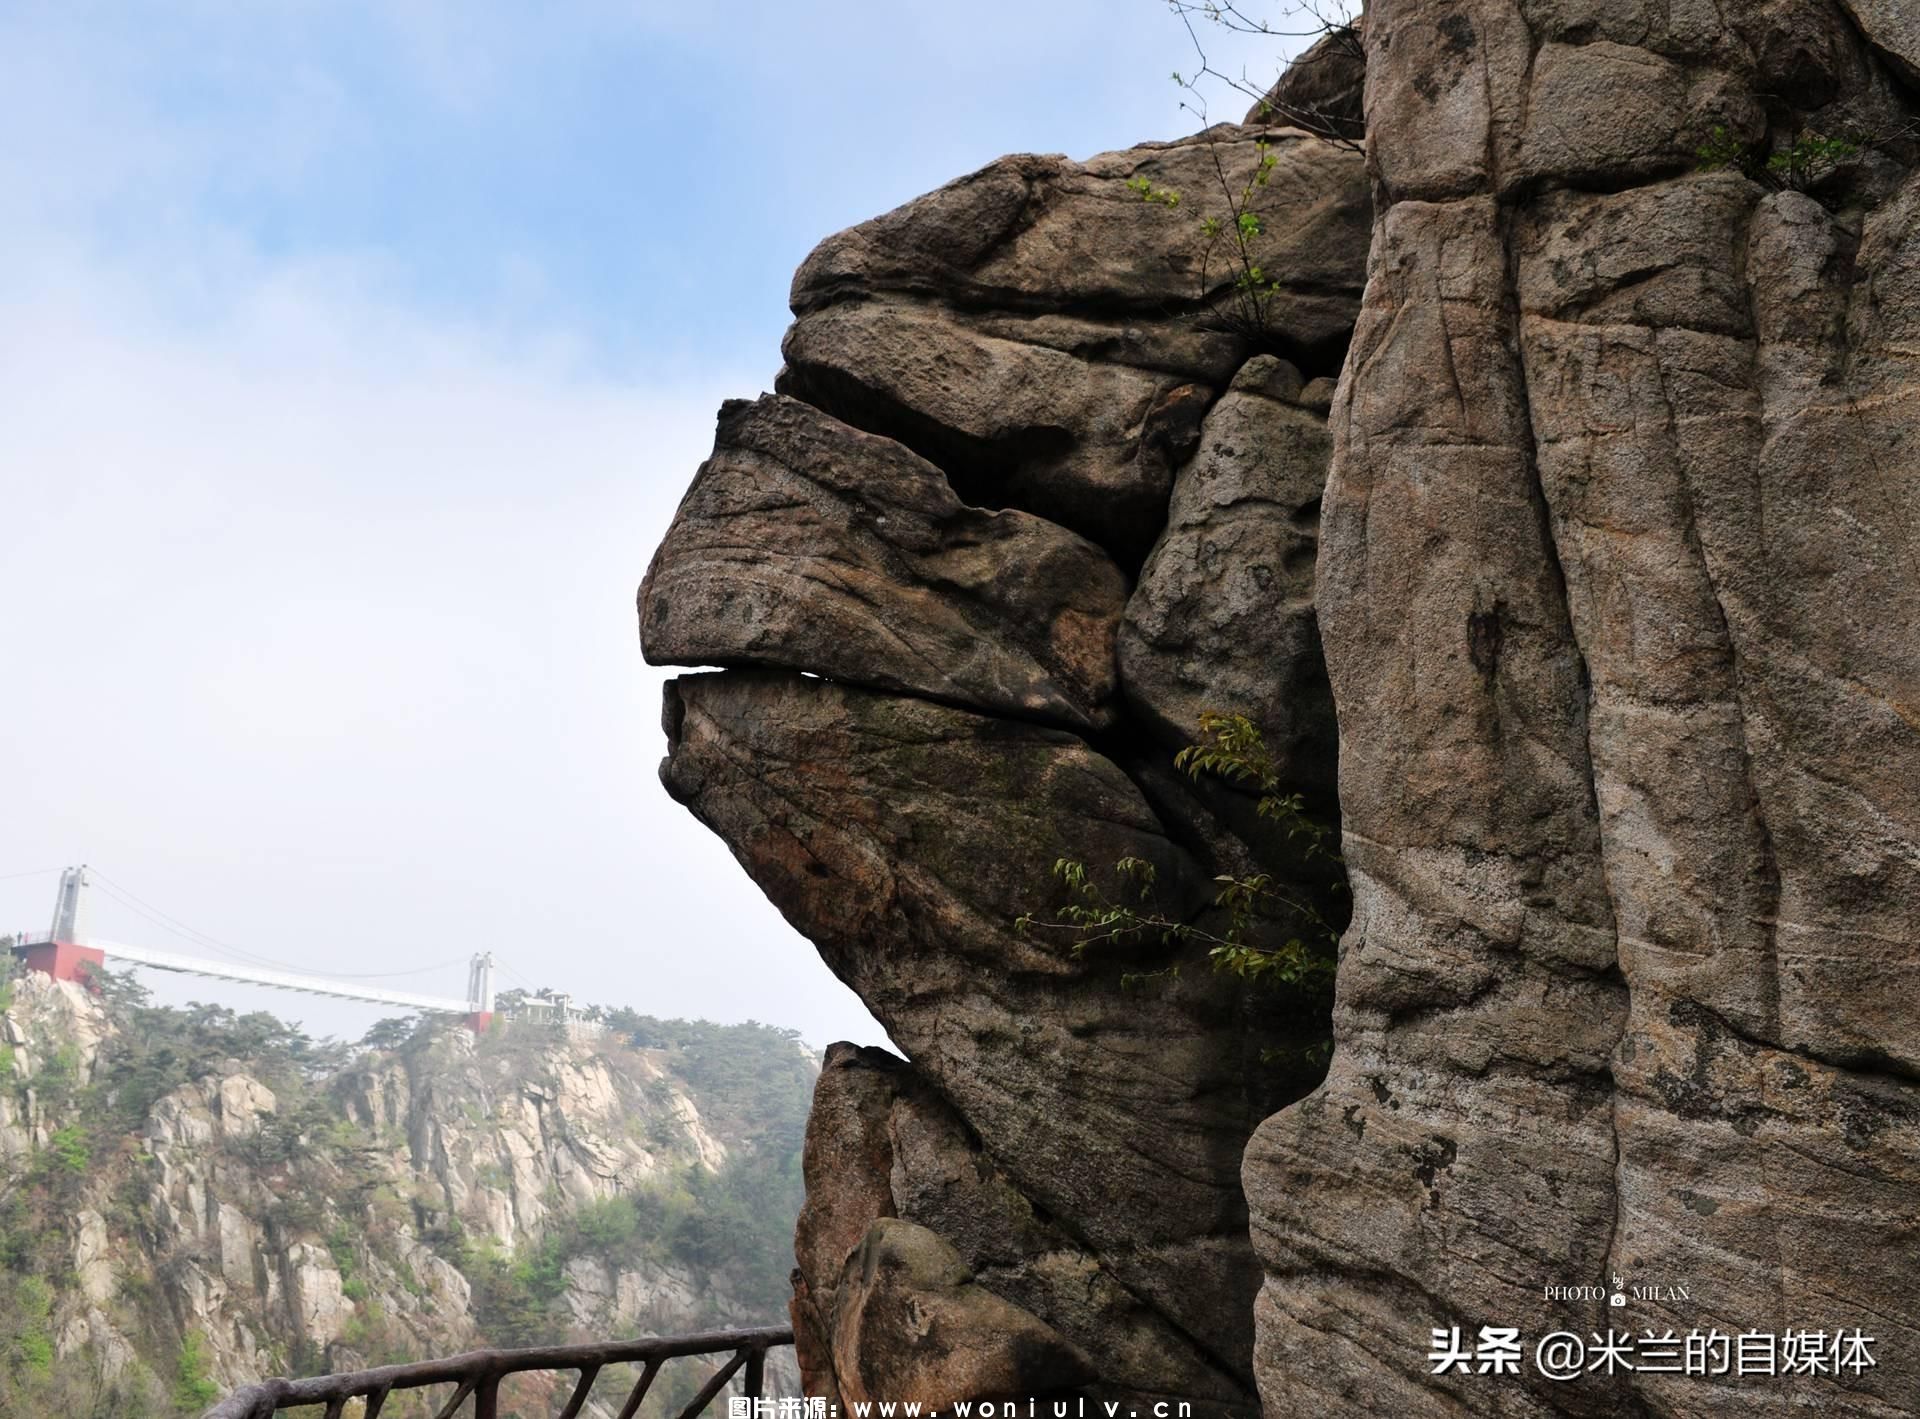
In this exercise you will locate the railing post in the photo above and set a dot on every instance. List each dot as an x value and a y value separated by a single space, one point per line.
486 1399
756 1375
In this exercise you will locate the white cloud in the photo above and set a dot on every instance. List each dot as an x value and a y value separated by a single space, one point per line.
320 637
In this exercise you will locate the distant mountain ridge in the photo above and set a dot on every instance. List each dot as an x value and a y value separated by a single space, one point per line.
191 1199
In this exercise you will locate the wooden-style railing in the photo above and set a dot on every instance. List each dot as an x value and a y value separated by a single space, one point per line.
477 1374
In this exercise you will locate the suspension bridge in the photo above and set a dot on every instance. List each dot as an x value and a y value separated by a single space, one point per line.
66 951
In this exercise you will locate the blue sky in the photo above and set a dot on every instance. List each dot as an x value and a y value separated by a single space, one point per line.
352 360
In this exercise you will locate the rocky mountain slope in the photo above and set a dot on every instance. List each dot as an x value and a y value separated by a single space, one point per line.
190 1200
1590 588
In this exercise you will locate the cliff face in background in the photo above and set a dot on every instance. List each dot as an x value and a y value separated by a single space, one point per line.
1602 574
191 1200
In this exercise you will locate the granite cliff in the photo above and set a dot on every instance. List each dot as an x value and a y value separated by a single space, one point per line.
1557 526
191 1200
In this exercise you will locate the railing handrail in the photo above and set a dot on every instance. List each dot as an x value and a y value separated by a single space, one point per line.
479 1372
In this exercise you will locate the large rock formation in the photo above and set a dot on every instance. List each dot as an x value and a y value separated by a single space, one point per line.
1011 511
1617 578
1616 570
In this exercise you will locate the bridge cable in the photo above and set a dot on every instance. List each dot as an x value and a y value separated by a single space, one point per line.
126 897
501 963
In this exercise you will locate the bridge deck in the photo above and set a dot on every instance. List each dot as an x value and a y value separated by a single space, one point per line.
260 975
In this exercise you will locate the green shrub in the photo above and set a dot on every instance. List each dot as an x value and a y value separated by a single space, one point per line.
340 1248
605 1227
193 1388
1273 932
68 1150
26 1328
1809 160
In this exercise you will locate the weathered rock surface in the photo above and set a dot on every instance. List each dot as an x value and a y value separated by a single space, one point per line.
1323 90
1617 581
910 1324
1222 618
1893 29
1040 332
882 1142
806 544
904 837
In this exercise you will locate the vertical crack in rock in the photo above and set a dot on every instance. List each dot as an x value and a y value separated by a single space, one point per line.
1475 1016
1766 909
1584 713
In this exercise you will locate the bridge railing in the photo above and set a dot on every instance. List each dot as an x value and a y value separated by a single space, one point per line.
476 1377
